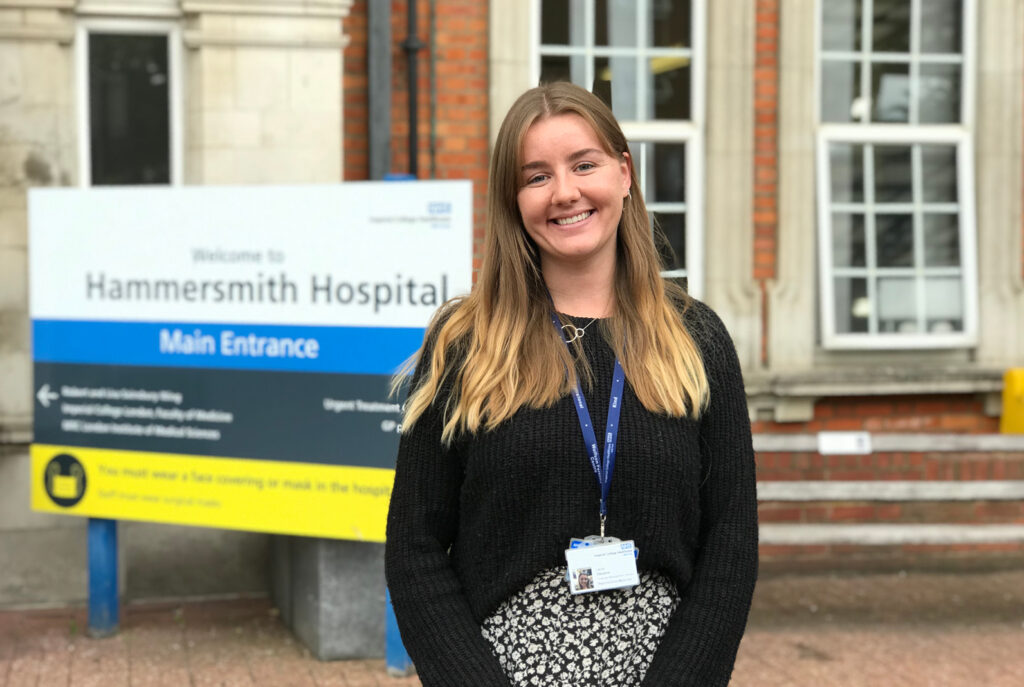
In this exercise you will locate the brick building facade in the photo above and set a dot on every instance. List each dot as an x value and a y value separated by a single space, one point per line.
845 190
797 387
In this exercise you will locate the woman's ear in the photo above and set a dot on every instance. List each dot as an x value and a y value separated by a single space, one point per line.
627 168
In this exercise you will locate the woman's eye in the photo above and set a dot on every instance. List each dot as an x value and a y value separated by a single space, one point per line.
536 178
585 166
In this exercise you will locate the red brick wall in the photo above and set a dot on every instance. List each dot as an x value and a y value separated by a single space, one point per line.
955 414
462 103
915 466
963 413
458 148
355 145
766 110
891 466
849 558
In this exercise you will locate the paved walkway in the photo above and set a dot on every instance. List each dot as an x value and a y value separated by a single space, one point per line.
895 630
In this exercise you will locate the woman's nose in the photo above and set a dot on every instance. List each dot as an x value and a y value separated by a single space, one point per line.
565 189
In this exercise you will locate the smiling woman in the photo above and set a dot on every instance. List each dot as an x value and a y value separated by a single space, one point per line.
500 479
571 198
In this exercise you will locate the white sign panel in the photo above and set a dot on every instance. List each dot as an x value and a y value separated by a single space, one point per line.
222 356
266 255
844 443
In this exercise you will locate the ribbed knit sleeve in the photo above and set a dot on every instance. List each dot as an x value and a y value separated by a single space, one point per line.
434 617
700 645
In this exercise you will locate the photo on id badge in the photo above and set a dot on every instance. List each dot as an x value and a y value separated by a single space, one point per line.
583 578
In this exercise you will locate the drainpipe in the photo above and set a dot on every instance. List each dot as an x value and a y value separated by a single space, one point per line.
412 45
379 87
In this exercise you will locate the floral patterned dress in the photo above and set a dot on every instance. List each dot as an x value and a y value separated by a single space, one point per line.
546 636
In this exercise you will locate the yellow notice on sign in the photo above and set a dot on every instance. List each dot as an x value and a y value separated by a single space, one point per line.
306 499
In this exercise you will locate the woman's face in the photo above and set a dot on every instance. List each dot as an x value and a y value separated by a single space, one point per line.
571 191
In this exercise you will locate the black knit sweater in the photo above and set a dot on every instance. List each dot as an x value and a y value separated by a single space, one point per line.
471 525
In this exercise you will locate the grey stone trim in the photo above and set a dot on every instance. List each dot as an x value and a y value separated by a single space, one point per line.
792 309
891 491
889 534
510 53
37 4
293 8
999 136
133 9
879 380
729 149
910 443
59 34
199 39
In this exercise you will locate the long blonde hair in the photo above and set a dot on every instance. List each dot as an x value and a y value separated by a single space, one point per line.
495 350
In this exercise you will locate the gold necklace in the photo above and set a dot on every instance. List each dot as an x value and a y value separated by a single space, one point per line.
572 332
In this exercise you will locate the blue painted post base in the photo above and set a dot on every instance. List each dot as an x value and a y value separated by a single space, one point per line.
104 607
397 659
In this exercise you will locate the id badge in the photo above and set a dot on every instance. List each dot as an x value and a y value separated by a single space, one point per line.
598 567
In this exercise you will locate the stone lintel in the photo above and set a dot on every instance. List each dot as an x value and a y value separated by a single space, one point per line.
291 8
37 4
199 39
60 34
139 9
879 381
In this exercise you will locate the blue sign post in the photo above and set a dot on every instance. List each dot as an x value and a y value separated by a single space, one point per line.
104 609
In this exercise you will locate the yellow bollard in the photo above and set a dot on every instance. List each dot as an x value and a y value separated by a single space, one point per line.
1012 420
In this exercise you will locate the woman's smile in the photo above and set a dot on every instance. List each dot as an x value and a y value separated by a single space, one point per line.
575 219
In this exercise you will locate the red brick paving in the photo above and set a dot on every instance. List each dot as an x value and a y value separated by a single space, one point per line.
912 629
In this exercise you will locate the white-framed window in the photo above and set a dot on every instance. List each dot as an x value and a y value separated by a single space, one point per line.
129 102
895 179
646 59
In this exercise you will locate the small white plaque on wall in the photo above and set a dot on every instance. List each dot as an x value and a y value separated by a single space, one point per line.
844 443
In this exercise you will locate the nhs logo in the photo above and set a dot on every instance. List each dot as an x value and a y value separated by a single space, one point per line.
439 208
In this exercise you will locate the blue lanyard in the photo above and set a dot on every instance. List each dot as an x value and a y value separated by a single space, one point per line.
603 469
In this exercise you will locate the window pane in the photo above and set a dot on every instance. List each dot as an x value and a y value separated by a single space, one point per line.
841 22
615 23
672 240
848 240
602 86
853 309
941 30
894 240
847 168
554 22
890 92
938 172
897 309
615 82
554 68
670 23
840 89
944 305
129 109
941 240
893 181
940 93
669 89
666 173
891 26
